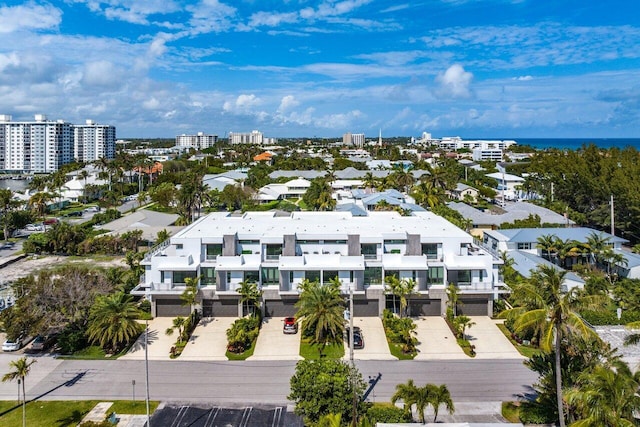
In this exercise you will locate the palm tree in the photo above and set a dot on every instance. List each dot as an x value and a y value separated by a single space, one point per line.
21 368
407 287
548 246
321 309
439 395
392 285
83 174
179 324
369 181
633 338
606 396
422 398
7 204
552 314
38 202
597 243
112 321
249 295
464 322
407 393
190 294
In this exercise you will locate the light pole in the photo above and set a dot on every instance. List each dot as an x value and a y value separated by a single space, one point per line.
353 367
133 393
146 367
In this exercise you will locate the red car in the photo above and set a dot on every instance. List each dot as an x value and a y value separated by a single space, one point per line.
290 325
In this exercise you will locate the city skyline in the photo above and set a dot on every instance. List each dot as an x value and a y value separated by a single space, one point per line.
476 69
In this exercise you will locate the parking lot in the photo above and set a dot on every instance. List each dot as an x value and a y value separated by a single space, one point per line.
194 416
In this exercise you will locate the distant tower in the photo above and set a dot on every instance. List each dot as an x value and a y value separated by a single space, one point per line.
380 138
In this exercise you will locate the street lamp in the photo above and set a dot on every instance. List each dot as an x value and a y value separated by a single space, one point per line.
146 367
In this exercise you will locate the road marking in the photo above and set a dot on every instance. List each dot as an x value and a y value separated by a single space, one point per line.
277 415
181 414
211 419
246 414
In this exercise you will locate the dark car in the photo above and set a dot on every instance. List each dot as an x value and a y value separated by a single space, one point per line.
358 340
290 325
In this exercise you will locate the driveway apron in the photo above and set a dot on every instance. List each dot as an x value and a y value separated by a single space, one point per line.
273 344
436 341
159 342
375 340
490 342
208 340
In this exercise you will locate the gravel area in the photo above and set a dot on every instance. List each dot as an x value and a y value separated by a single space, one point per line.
615 336
30 265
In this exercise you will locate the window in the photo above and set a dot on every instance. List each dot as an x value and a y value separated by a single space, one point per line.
369 250
252 276
178 245
291 277
207 276
395 242
270 276
481 275
430 250
249 242
373 276
179 276
228 277
312 276
524 245
351 276
464 277
436 275
214 251
328 275
394 273
274 252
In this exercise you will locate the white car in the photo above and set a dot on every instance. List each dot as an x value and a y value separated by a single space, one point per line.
12 345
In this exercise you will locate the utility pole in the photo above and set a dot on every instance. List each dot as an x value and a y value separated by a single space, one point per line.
146 367
613 228
354 412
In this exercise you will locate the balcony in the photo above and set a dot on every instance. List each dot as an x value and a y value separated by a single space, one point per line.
474 286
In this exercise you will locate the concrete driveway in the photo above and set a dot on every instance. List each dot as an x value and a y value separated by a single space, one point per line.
273 344
490 342
159 342
375 340
435 340
209 340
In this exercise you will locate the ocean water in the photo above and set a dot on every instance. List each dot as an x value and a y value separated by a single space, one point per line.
576 143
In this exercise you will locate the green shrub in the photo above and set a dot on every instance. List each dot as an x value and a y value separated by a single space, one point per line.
242 333
598 318
71 339
388 413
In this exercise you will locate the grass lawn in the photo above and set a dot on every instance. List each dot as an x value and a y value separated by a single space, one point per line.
241 356
63 413
93 352
510 411
524 350
331 351
396 350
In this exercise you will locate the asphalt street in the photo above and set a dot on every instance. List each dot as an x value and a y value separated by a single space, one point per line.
259 382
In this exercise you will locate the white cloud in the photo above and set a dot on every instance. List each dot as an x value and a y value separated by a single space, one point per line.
243 104
210 16
454 83
101 73
132 11
29 16
288 102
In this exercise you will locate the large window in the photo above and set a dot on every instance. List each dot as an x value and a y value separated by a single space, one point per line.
369 250
436 275
524 246
312 276
213 251
464 277
328 275
207 276
274 252
270 276
252 276
179 276
430 250
372 276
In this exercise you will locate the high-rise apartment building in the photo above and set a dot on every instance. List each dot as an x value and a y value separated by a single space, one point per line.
254 137
200 141
43 146
356 139
93 141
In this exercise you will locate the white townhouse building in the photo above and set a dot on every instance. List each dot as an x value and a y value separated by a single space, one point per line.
200 141
93 141
280 250
39 146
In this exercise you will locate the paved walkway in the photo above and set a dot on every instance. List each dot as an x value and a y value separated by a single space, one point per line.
159 342
273 344
375 340
490 342
436 341
209 340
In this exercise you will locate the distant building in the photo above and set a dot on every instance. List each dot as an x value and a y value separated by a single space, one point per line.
200 141
93 141
353 139
253 137
39 146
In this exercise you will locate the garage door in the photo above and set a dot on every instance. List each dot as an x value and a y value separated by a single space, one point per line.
424 307
365 308
220 308
473 307
171 308
280 308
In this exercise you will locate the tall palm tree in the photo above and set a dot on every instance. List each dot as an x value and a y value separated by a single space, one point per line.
7 204
597 243
405 392
422 398
392 285
321 310
112 321
39 201
407 288
83 174
21 368
606 396
439 395
552 313
548 246
190 294
249 295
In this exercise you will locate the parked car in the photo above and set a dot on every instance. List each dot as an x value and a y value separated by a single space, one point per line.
358 340
13 345
50 221
290 325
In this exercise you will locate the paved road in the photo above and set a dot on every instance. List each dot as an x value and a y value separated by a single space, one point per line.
265 382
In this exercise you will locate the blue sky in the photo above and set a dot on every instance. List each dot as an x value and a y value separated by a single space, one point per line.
469 68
